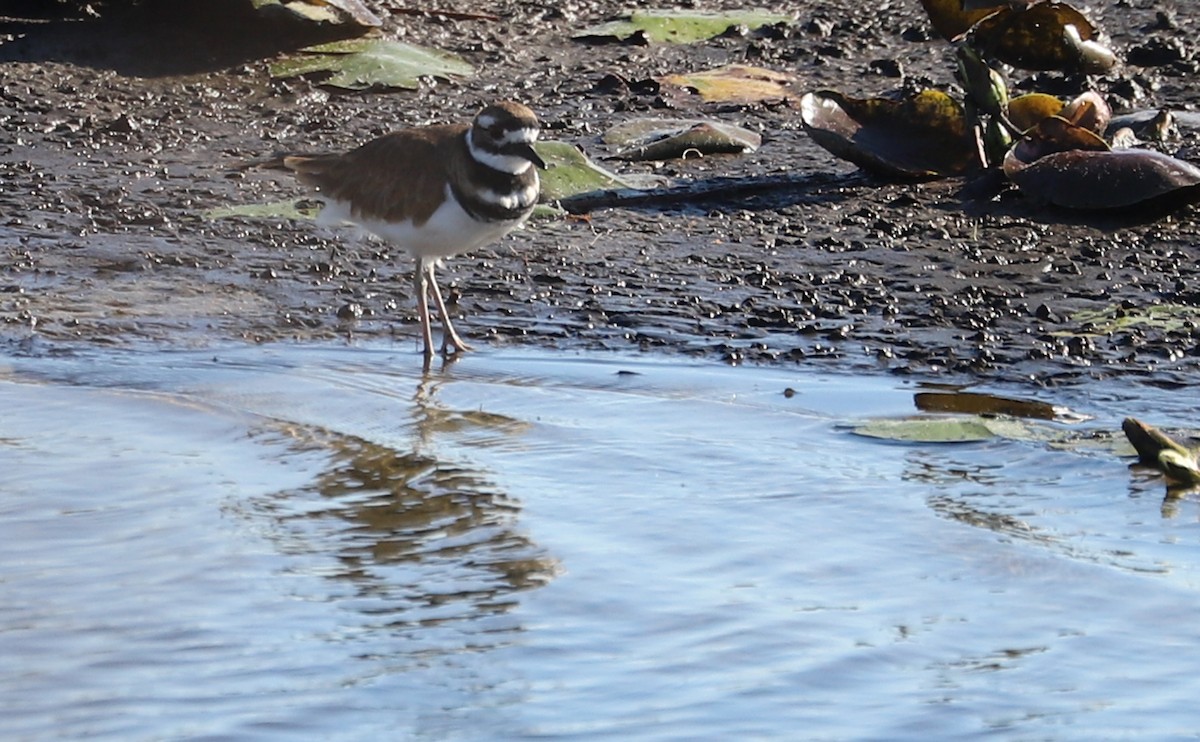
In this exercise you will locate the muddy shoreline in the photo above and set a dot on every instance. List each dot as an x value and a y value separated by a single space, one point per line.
121 135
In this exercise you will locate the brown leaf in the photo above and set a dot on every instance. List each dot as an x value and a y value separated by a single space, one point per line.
1027 111
950 19
923 136
1050 135
1044 36
1104 179
976 403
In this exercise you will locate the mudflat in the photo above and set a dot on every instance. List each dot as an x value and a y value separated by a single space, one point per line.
123 133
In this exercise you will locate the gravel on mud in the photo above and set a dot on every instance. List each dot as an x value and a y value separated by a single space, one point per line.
123 131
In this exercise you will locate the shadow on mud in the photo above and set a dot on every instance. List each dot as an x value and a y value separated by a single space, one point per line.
715 195
157 38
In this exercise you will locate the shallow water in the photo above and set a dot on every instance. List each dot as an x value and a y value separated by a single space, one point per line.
301 543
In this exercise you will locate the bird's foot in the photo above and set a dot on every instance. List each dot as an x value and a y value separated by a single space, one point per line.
453 344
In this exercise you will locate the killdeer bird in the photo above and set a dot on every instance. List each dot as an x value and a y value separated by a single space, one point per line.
436 191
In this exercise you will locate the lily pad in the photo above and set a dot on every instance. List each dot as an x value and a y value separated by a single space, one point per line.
950 429
735 83
977 403
664 139
1156 448
1027 111
324 11
272 210
681 26
923 136
569 172
1114 318
358 64
1070 166
1043 36
1051 135
953 18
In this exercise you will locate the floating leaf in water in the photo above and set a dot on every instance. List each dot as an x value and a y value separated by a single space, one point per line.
681 26
664 139
922 136
1067 165
1149 441
324 11
953 429
735 83
975 403
1156 448
570 172
358 64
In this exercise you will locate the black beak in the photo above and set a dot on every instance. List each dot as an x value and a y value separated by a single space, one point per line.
529 153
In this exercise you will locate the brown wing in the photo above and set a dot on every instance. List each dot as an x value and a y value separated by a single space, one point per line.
398 176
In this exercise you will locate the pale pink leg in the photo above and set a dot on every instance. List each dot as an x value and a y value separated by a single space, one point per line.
420 281
450 339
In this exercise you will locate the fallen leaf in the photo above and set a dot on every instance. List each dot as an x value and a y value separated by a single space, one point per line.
951 20
569 172
976 403
272 210
358 64
1082 179
951 429
681 26
1150 442
1070 166
1117 318
1027 111
1044 36
918 137
664 139
325 11
735 83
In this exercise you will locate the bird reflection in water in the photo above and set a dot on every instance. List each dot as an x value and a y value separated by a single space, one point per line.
424 540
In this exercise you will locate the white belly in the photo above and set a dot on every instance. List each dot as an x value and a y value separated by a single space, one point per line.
450 230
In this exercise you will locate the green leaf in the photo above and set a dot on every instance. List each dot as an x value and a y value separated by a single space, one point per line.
956 429
570 172
681 26
272 210
358 64
1114 318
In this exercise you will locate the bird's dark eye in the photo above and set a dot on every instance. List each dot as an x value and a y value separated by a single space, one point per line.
495 132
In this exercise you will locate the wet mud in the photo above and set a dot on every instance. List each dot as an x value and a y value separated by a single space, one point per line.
122 133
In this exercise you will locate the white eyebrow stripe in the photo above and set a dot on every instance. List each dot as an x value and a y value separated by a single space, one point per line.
527 135
504 163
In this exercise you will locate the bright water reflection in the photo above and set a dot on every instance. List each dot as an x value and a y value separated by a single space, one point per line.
317 543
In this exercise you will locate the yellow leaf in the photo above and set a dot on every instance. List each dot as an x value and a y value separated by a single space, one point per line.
735 83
